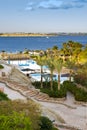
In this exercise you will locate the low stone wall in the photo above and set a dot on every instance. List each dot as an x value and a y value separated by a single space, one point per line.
81 103
67 127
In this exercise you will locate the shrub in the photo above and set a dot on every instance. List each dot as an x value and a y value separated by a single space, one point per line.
29 108
1 66
81 78
46 89
3 96
15 121
80 94
46 123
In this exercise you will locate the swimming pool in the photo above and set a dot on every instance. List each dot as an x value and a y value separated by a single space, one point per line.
37 77
31 64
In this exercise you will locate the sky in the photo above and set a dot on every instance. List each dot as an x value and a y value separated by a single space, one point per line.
43 16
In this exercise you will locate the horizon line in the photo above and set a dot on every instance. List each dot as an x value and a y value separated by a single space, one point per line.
38 32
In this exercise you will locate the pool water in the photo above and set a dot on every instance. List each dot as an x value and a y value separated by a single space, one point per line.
37 77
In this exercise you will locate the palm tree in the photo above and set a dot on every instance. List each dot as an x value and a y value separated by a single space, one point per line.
49 62
71 49
40 61
58 63
83 55
70 64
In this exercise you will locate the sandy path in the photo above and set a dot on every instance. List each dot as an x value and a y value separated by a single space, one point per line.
75 115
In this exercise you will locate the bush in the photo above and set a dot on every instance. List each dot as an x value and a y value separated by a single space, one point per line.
1 66
29 109
46 124
37 84
81 78
80 94
15 121
3 96
46 89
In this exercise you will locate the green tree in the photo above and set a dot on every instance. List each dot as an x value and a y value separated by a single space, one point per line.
70 64
72 50
83 55
55 47
49 62
40 61
58 63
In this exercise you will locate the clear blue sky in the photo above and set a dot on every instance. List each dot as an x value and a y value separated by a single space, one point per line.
43 15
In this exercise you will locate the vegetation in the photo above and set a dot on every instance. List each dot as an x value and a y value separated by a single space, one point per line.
1 66
52 93
19 115
50 64
15 121
80 94
40 61
46 124
58 63
3 96
81 78
70 64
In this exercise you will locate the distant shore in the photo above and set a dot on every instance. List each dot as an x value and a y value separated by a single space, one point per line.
39 34
25 34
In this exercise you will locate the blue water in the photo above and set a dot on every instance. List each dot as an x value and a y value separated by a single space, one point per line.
13 44
37 77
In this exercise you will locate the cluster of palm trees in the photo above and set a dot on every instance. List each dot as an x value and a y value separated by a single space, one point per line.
70 55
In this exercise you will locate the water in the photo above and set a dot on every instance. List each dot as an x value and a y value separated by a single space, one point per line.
37 77
13 44
30 67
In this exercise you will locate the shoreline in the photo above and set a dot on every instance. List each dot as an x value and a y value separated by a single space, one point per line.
24 34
